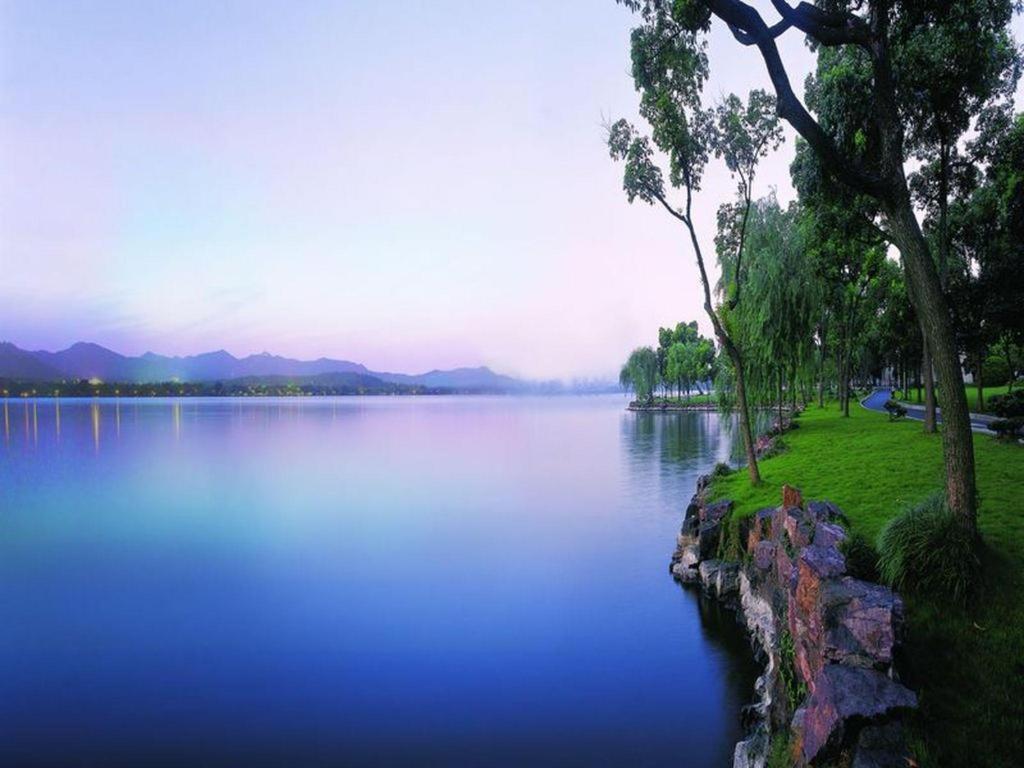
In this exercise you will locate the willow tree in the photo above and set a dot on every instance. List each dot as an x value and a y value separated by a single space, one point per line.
869 161
640 373
669 71
776 319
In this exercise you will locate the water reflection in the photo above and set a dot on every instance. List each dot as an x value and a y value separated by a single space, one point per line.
455 581
95 412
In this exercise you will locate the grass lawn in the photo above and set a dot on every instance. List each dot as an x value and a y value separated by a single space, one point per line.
972 396
967 666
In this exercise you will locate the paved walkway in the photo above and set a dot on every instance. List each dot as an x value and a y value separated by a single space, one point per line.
876 402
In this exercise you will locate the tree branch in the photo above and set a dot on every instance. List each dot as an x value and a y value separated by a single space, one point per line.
836 28
748 21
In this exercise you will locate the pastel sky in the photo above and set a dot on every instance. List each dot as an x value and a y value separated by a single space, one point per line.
406 184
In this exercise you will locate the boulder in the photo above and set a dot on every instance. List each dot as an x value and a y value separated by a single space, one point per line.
828 534
863 623
709 533
760 528
764 555
815 567
798 525
844 696
716 511
721 579
684 564
826 512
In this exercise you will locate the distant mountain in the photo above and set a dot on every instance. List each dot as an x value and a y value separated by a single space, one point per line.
16 363
85 360
458 378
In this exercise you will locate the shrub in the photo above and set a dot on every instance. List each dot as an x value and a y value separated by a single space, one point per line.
721 470
1008 429
895 409
861 557
995 372
1009 405
925 551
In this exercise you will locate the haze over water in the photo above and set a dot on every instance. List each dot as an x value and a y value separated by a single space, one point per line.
357 581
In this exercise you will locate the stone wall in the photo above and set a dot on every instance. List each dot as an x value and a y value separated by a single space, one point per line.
829 689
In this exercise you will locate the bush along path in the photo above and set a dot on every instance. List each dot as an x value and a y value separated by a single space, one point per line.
828 640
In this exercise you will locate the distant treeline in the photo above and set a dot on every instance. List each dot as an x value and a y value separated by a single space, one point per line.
234 388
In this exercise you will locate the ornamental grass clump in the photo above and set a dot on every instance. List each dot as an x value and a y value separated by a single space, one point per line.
926 551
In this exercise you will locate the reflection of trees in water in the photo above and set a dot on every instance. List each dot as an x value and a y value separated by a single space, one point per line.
664 452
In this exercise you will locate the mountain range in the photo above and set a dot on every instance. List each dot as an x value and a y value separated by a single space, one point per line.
85 360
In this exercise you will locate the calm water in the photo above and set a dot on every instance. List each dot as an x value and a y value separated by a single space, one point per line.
348 582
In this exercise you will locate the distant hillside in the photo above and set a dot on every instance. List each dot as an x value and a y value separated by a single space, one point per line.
85 360
18 364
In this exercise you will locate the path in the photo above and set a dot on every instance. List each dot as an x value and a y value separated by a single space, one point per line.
876 402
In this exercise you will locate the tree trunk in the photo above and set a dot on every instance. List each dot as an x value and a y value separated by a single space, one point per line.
741 402
979 382
780 398
930 305
929 390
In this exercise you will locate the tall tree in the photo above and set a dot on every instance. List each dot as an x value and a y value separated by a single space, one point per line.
669 71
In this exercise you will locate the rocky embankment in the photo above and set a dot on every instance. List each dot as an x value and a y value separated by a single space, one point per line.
829 693
670 407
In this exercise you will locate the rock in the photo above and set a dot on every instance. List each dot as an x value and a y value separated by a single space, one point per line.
752 752
798 525
709 533
764 555
761 527
840 694
826 512
821 562
684 563
720 578
791 497
716 511
863 623
828 534
815 567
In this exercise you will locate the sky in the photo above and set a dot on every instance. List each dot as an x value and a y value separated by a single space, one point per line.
410 185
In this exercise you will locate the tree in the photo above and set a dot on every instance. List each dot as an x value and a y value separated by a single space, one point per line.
875 35
776 318
641 373
669 70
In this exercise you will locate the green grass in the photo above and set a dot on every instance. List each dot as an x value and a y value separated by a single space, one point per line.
967 665
972 396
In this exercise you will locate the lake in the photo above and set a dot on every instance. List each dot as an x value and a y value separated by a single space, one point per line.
438 581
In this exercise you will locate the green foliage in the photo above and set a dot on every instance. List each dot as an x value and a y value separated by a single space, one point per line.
795 688
926 551
780 751
1009 405
1008 429
995 371
641 373
721 470
861 557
